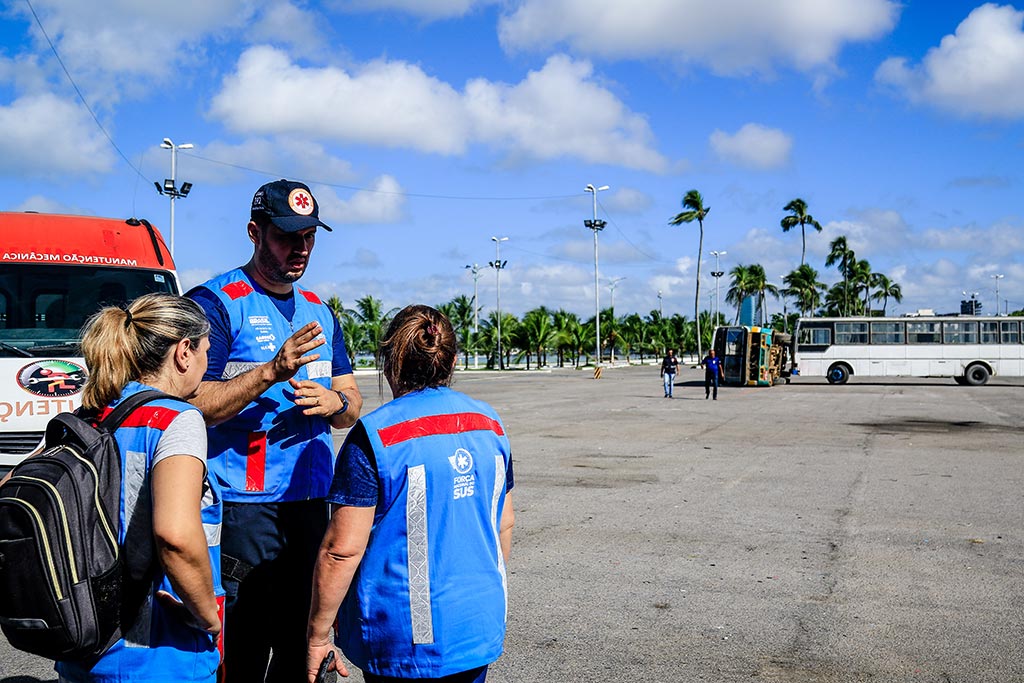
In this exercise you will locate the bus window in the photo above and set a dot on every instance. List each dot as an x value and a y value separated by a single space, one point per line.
1009 331
960 333
887 333
923 333
815 336
851 333
989 331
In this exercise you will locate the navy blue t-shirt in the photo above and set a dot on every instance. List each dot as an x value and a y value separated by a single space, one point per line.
220 330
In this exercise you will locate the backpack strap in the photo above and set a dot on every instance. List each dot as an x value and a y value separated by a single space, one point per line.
126 407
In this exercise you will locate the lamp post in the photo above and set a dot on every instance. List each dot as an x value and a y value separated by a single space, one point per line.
611 286
717 273
475 270
597 226
997 278
169 188
661 309
974 302
498 265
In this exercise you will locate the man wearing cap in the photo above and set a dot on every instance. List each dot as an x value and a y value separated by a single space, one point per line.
278 379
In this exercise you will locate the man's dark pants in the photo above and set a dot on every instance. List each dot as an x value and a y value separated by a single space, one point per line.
268 551
710 380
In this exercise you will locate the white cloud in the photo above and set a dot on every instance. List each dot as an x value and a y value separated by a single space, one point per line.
730 36
383 203
286 24
41 204
221 163
44 135
753 146
555 112
979 70
629 200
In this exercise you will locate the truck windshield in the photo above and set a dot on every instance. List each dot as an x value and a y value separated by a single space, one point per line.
43 307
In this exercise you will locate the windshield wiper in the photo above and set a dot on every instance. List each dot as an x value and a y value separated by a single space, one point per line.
52 349
16 350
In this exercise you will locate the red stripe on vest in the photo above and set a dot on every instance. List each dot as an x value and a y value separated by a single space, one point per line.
236 290
310 297
147 416
256 461
438 424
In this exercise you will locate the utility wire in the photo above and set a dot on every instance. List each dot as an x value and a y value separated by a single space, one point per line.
79 92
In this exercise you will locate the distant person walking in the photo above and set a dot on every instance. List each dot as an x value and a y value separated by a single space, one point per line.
712 373
669 368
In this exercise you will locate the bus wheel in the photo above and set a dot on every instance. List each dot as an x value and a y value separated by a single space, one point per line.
977 375
838 374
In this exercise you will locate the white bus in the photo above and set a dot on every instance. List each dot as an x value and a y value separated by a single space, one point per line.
970 349
55 271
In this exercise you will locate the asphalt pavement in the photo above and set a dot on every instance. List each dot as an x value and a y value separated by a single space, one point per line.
802 532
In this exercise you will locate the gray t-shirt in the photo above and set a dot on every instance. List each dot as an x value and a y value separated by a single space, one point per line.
186 435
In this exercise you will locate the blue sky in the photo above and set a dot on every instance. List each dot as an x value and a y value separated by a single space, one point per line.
425 127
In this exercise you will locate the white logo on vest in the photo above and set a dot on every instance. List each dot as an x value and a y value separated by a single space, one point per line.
463 485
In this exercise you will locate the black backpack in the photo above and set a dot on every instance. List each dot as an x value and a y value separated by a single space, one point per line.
66 587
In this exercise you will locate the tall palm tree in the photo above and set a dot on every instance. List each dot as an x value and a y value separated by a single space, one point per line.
799 216
565 324
859 277
694 210
370 314
739 288
886 288
803 286
839 253
759 285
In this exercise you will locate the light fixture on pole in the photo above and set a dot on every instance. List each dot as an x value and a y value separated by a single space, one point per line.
597 226
661 309
974 302
997 278
475 270
498 265
717 273
611 286
169 188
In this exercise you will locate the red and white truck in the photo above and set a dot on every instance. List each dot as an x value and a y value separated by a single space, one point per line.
56 271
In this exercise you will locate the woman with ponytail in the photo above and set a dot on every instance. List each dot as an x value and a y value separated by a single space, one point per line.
168 508
413 563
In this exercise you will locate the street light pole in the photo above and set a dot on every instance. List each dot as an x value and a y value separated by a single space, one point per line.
596 225
997 278
169 188
717 273
661 309
498 265
475 270
611 286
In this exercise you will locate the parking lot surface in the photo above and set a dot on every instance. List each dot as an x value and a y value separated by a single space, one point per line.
802 532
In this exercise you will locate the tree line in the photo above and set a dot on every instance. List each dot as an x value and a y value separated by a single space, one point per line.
546 337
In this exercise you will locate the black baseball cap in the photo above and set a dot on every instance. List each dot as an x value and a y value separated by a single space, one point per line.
289 205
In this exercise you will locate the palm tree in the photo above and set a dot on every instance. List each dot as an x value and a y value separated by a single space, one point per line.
535 333
693 203
799 216
370 314
803 286
460 312
839 252
565 324
355 336
740 288
859 276
758 283
886 288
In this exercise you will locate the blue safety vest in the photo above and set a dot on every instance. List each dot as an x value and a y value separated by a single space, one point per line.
429 598
270 452
158 648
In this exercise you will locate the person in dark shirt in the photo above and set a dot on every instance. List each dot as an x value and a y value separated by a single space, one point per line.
669 368
712 373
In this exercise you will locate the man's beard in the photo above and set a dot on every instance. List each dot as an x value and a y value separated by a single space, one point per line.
274 271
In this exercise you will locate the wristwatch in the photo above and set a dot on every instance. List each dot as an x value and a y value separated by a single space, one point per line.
344 403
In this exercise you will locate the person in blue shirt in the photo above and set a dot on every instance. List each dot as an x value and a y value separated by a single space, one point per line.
278 380
712 374
159 341
412 568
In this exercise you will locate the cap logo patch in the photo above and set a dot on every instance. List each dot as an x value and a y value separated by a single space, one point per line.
300 201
